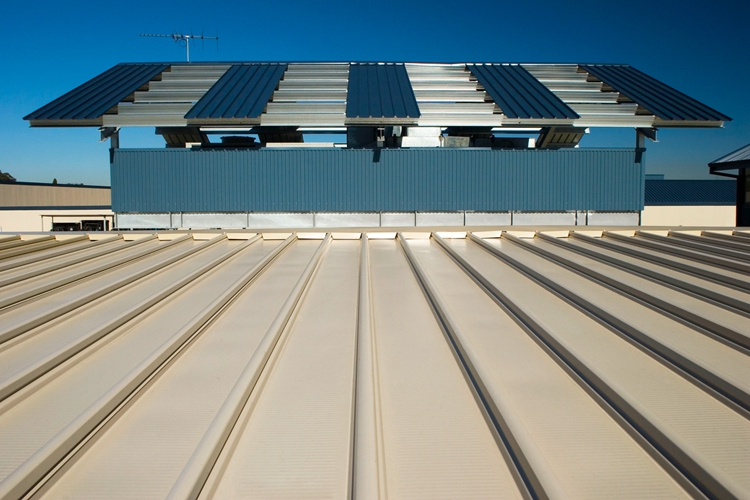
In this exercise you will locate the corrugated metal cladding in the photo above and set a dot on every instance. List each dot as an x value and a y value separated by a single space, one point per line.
690 192
519 94
180 365
242 92
660 99
350 180
95 97
380 91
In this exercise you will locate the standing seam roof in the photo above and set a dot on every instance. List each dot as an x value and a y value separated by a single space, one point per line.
738 156
242 92
662 100
380 91
95 97
518 93
374 365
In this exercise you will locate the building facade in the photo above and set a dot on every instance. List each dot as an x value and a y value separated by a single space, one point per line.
375 144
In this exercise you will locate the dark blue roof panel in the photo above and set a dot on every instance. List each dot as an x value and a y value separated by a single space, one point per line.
518 93
380 91
95 97
660 99
690 192
242 92
738 157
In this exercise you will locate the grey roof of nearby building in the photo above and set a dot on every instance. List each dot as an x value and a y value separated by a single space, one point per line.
518 94
242 92
331 95
97 96
515 364
739 157
690 192
380 91
662 100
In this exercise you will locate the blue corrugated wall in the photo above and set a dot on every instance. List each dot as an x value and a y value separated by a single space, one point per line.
355 180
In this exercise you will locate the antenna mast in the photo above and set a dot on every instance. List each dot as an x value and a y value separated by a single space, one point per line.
184 40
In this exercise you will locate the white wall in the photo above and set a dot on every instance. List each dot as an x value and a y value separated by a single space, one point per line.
689 216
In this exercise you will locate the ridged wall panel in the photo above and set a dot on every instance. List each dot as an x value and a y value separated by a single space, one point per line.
348 180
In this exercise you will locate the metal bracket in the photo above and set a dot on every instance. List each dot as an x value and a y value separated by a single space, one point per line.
649 133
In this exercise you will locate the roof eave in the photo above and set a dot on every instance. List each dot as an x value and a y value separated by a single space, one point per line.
94 122
662 123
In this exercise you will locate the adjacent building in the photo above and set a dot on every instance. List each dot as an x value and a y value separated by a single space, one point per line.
31 206
738 161
335 144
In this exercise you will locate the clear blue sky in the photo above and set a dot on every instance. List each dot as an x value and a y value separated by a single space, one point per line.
698 47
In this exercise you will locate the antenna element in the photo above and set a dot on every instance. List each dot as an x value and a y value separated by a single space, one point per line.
184 40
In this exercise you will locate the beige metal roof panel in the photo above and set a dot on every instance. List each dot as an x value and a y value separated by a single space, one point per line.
719 359
575 449
173 414
429 365
699 426
720 292
46 407
309 386
444 449
34 265
702 269
56 341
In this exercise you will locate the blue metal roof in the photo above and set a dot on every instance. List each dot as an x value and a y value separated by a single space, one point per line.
242 92
518 93
737 157
690 192
380 91
660 99
95 97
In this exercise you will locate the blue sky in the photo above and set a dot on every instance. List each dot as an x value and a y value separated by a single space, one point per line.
700 48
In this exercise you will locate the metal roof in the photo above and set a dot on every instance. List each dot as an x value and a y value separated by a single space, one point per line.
330 96
690 192
410 365
736 158
97 96
518 94
380 91
660 99
242 92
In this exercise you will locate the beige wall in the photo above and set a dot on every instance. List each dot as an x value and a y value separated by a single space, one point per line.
21 195
689 216
41 220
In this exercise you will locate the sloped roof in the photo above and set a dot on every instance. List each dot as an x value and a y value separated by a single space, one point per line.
737 158
97 96
242 92
410 365
662 100
519 94
338 94
377 91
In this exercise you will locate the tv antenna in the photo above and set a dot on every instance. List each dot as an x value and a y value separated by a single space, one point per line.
184 40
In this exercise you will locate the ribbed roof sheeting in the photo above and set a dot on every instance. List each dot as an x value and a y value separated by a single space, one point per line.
242 92
658 98
412 365
740 156
380 91
95 97
690 192
518 94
